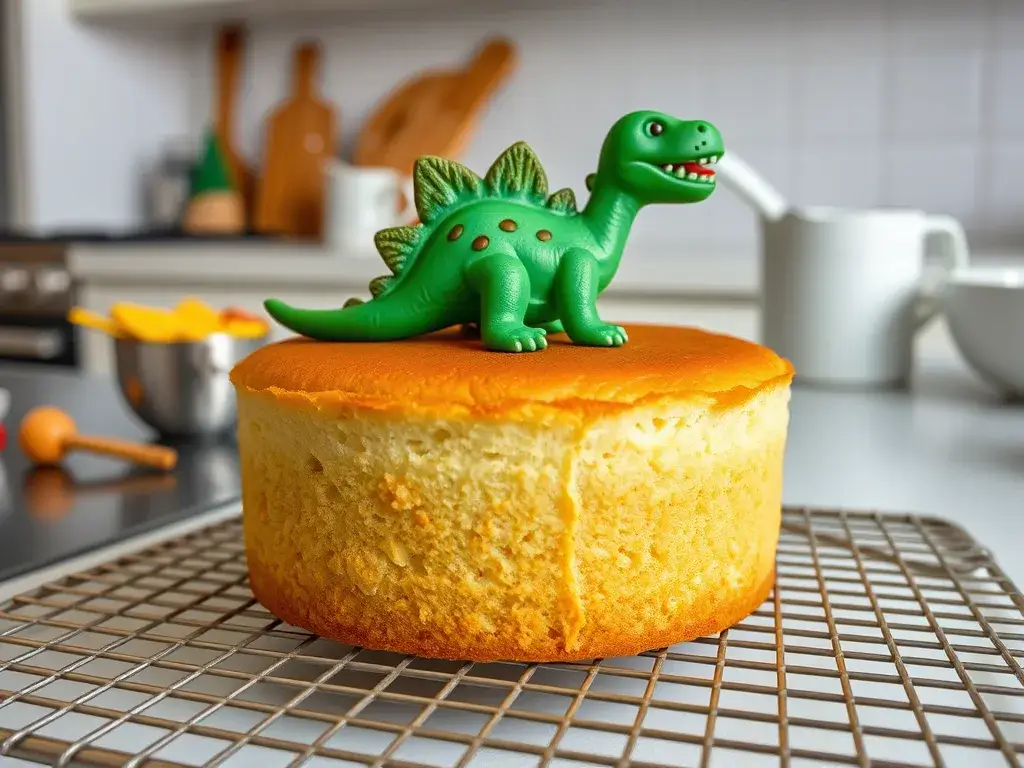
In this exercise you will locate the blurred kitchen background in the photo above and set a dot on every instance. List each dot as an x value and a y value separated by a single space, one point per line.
912 103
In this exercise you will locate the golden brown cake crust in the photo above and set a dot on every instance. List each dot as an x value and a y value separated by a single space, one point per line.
391 636
449 373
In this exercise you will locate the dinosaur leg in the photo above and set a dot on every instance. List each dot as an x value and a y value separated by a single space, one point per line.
576 290
555 326
503 284
472 330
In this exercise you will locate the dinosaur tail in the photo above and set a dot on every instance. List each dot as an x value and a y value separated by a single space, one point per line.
387 318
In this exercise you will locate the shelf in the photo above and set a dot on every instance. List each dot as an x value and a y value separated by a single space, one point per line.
728 275
189 12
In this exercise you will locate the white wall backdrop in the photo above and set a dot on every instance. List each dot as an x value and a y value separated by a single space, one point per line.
874 102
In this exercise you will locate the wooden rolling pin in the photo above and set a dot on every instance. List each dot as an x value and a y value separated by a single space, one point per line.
47 435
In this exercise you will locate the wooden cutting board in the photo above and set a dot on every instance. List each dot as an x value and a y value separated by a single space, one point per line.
433 114
298 142
229 55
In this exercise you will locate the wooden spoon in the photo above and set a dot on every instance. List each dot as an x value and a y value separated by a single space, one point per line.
229 64
48 434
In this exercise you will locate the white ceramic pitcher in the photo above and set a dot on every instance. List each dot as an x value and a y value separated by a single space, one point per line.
843 293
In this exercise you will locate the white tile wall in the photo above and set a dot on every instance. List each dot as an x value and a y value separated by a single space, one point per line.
1001 194
1004 112
98 108
934 94
934 174
873 102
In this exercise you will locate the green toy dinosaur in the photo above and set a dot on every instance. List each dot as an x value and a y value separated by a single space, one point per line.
499 253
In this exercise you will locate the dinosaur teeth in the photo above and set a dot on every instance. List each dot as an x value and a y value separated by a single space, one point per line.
713 159
689 170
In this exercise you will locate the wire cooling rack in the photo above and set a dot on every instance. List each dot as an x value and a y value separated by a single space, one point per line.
887 641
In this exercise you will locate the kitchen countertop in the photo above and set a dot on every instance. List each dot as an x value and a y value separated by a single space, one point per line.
696 272
948 448
661 270
53 513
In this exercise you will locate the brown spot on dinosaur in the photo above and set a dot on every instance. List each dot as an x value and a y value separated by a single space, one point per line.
481 242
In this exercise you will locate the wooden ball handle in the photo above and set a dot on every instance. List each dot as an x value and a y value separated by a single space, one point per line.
149 455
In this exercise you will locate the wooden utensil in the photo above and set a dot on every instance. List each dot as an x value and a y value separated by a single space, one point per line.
433 114
299 141
230 45
48 434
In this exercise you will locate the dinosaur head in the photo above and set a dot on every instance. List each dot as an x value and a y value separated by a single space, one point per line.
658 158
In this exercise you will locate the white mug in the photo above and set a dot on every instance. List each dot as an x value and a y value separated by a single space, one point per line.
843 295
360 202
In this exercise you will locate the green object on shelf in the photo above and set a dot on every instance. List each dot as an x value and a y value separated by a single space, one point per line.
501 254
212 173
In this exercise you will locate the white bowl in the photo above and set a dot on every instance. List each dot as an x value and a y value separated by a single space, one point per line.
984 309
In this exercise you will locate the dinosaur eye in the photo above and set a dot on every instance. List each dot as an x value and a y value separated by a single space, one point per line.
655 128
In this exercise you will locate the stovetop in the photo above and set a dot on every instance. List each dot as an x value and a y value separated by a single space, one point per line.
50 515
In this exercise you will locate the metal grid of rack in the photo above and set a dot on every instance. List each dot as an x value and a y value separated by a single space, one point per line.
888 640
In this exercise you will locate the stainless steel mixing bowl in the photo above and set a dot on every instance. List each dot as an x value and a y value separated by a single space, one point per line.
182 389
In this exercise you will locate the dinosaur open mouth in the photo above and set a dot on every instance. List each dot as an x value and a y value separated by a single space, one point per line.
696 170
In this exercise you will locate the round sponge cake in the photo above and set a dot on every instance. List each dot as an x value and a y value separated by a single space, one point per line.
434 498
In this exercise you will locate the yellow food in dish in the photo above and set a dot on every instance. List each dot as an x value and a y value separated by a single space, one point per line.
147 323
190 320
89 319
430 497
198 318
247 329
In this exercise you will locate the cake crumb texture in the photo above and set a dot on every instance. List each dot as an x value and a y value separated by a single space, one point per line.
442 535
